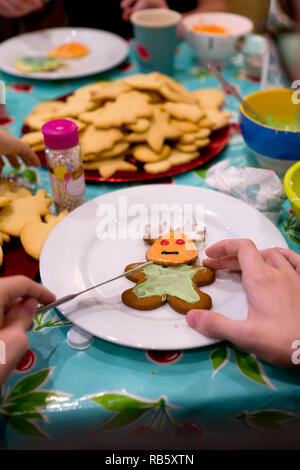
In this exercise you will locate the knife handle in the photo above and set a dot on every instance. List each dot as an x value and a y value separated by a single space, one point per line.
56 303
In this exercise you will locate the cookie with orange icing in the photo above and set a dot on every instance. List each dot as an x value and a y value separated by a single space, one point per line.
172 249
210 28
69 50
173 277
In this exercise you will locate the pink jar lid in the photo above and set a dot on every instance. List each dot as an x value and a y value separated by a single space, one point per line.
60 134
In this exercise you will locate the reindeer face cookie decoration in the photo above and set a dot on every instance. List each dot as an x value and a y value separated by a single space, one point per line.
172 249
173 277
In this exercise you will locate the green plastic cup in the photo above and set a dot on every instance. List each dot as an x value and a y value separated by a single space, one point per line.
155 31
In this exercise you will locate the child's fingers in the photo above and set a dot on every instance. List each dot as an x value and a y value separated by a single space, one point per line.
127 3
230 262
126 14
28 156
14 287
13 160
275 259
292 257
10 145
21 314
16 342
215 325
249 258
1 164
19 8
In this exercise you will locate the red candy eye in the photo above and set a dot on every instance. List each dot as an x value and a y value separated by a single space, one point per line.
180 241
164 242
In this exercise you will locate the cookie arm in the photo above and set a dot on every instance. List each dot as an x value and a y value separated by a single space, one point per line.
204 276
142 303
137 276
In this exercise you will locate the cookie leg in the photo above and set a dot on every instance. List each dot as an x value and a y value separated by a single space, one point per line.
183 307
142 303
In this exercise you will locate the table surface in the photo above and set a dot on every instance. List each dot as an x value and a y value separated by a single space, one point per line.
57 391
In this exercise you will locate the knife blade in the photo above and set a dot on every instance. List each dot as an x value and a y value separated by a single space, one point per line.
67 298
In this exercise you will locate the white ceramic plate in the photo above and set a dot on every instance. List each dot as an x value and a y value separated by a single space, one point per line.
106 51
74 258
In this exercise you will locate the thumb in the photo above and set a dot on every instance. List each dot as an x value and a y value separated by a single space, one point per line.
215 325
22 314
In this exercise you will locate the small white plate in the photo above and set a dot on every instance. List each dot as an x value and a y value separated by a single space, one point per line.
106 51
74 258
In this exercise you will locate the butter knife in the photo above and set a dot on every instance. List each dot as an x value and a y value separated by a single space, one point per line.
67 298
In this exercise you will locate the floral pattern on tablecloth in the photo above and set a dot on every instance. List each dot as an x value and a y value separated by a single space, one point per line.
197 394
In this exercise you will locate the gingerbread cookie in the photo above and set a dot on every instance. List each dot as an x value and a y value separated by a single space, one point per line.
173 277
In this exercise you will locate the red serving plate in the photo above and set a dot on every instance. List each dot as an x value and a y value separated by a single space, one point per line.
218 141
16 261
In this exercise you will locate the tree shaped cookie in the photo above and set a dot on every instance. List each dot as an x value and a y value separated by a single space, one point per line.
125 110
23 209
173 277
160 130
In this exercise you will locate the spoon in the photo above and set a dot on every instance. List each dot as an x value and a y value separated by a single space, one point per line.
215 72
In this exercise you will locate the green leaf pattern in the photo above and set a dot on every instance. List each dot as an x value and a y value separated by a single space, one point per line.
118 403
219 358
264 421
24 405
247 364
122 419
28 384
292 227
128 410
42 321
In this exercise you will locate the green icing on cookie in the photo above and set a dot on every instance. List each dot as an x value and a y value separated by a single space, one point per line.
37 64
171 280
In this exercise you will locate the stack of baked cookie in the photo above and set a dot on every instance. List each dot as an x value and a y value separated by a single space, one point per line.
144 120
25 216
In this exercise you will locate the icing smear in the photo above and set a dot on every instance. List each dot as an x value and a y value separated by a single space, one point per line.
172 280
282 124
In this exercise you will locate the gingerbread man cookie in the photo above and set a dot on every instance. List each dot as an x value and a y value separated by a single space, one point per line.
173 277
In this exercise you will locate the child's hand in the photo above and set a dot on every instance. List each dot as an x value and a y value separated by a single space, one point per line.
130 6
271 279
12 147
19 297
18 8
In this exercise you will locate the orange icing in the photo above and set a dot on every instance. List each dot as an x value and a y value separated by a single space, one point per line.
162 251
69 50
210 28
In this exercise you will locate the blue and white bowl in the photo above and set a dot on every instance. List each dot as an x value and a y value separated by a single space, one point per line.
276 145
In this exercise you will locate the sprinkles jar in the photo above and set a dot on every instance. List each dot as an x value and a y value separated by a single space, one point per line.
64 164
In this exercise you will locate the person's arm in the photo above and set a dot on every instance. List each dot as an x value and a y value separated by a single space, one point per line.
208 6
131 6
271 280
19 297
19 8
12 147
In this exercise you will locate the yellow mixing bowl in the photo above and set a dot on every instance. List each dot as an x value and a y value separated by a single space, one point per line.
291 183
276 145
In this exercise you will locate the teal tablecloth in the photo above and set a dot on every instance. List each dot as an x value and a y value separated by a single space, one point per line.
58 392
